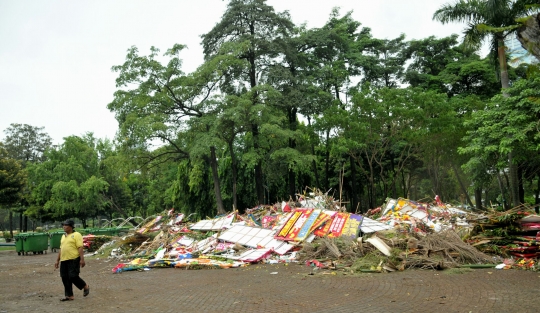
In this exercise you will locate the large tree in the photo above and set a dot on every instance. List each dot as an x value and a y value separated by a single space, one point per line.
384 130
12 183
509 123
158 102
26 143
69 183
494 20
388 67
256 25
12 178
338 55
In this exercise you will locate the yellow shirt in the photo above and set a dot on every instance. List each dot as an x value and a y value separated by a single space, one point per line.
69 246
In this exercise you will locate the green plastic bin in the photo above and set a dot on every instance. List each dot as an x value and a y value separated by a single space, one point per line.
121 231
102 232
35 242
115 231
19 243
84 231
55 239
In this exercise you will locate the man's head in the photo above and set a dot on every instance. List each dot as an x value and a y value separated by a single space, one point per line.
68 223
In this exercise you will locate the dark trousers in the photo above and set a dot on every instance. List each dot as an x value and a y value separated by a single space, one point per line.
69 271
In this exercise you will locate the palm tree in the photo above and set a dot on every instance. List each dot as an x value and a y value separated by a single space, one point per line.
493 20
488 19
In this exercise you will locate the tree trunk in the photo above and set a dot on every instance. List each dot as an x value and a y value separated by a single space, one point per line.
436 177
501 54
513 180
462 185
478 198
502 189
371 187
521 190
371 193
259 187
405 184
505 84
529 35
292 144
234 170
327 161
215 177
11 223
393 170
314 163
354 188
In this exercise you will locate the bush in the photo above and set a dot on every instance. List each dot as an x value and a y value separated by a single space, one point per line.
39 229
7 236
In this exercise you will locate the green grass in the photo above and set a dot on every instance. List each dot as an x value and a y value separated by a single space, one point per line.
7 248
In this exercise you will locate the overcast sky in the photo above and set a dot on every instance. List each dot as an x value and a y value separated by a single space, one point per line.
56 55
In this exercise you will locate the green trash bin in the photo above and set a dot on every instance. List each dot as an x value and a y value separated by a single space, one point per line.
19 243
124 230
114 231
55 239
102 232
36 243
84 231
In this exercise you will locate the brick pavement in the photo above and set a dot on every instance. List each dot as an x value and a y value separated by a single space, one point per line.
30 283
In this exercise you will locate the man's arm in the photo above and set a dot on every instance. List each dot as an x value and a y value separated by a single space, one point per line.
57 259
81 255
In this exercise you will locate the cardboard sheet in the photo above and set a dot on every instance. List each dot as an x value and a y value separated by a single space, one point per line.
214 224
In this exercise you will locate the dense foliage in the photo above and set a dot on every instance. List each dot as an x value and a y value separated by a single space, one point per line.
278 109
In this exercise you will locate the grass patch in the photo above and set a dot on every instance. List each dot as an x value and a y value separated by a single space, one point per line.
7 248
368 261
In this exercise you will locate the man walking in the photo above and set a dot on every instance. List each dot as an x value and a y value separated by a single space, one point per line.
71 259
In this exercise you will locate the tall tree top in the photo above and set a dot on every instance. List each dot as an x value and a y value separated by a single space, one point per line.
247 20
12 179
26 143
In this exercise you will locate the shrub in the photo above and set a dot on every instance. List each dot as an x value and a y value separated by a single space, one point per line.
7 236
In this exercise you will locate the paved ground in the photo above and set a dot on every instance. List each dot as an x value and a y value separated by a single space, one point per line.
30 283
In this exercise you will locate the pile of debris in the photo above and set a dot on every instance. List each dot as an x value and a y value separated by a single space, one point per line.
514 233
401 234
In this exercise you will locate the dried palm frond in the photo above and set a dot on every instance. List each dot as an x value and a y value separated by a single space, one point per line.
453 248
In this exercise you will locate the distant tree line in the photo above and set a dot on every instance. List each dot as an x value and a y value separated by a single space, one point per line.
277 110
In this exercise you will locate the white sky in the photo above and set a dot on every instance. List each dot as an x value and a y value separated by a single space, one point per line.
56 55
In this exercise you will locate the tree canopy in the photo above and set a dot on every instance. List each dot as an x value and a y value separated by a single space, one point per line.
277 110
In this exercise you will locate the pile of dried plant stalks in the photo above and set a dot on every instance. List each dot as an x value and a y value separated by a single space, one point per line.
323 199
125 244
434 251
443 250
148 246
454 248
331 248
